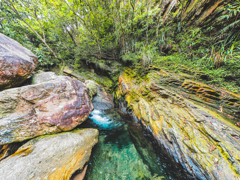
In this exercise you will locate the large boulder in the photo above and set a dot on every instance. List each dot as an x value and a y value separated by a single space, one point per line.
192 122
45 108
55 157
16 62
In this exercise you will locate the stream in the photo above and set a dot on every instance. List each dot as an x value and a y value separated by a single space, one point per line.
125 151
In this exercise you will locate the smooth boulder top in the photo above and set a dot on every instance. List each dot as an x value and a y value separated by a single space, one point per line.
52 157
43 77
10 48
16 62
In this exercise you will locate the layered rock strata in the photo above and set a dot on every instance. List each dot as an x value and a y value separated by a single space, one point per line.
185 119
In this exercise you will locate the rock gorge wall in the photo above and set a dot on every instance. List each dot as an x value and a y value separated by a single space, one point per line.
192 122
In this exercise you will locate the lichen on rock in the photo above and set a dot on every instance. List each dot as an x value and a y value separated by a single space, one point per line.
187 126
92 88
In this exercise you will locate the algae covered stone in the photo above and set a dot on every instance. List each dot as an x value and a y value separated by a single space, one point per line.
52 157
92 88
193 131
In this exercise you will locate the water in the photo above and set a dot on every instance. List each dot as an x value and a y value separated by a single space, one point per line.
124 152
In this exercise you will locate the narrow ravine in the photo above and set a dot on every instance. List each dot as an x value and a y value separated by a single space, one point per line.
124 151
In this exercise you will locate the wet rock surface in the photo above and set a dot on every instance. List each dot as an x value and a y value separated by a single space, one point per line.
52 157
45 108
190 127
16 63
102 100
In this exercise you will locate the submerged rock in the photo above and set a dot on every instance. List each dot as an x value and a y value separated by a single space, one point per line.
107 121
197 136
46 108
55 157
124 151
16 62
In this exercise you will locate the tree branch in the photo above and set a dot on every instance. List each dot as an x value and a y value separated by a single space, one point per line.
15 10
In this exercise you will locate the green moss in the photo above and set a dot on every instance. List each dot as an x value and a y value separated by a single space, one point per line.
92 89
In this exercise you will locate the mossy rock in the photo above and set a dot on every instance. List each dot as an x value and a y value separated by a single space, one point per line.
92 88
185 118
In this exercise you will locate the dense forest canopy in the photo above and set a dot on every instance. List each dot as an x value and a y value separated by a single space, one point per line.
109 34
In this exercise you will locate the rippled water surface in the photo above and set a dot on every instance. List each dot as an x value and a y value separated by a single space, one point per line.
123 151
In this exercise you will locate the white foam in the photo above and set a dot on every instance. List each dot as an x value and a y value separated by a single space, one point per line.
103 122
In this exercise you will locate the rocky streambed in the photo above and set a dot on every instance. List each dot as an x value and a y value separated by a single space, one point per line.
61 127
126 151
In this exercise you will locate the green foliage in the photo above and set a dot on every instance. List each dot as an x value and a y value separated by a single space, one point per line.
226 77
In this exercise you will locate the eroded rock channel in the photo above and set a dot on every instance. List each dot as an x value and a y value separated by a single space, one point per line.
125 152
165 127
